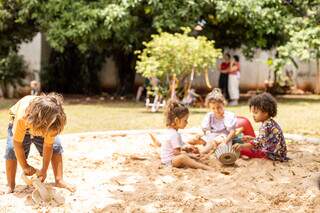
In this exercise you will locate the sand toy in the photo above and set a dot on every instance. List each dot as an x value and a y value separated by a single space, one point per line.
226 154
42 193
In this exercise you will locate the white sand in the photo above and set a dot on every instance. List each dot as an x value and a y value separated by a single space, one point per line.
109 178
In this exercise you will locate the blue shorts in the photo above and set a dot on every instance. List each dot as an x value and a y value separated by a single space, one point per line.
36 140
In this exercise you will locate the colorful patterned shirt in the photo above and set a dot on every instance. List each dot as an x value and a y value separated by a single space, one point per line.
271 141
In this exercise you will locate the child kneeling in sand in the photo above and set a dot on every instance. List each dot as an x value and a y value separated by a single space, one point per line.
219 125
176 116
38 120
270 142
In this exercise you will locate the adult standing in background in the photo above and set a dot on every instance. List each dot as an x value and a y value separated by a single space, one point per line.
223 78
234 80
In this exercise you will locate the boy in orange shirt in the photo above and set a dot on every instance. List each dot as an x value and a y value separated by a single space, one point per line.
38 120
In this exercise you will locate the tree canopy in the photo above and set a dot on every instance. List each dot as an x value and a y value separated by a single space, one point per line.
176 54
119 27
17 25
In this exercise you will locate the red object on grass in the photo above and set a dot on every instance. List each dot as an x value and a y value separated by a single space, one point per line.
247 127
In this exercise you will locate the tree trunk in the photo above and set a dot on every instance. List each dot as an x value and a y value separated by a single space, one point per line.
317 88
126 69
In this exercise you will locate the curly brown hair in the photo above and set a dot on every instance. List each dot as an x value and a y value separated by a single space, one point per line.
45 113
264 102
174 110
215 96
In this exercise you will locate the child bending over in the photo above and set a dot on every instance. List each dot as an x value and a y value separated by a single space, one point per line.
37 120
176 116
270 142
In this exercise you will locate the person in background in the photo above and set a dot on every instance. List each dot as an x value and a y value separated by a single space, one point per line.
35 87
224 76
234 80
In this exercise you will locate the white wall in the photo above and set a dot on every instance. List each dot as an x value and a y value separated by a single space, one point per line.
32 55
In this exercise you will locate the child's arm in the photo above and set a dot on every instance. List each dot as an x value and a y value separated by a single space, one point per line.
190 149
47 155
238 146
256 143
196 140
231 135
27 169
18 137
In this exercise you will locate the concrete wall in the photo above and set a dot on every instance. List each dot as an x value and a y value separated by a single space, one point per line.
32 55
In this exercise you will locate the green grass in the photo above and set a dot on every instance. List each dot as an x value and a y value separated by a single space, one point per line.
300 116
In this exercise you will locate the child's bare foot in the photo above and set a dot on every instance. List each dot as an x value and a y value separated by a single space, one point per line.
63 184
244 157
10 189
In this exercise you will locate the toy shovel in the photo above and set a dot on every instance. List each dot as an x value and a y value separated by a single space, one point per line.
41 189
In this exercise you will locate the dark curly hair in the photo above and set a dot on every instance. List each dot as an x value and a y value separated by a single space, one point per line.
264 102
174 110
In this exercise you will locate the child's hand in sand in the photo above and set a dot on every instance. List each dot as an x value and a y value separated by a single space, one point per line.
194 156
29 170
191 149
195 150
247 138
42 175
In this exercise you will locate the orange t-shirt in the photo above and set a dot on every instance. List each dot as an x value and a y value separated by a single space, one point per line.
20 125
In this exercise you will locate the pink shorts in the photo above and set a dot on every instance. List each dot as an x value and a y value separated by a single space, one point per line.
252 153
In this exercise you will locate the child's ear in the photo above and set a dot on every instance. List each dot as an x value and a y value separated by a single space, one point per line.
176 120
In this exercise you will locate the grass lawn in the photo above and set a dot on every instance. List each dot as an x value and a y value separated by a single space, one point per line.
300 116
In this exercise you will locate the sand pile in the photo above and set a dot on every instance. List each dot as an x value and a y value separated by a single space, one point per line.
122 173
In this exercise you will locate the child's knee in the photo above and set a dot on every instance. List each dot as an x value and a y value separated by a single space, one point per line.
177 160
57 147
10 154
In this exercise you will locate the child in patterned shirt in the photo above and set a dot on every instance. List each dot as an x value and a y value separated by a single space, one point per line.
270 142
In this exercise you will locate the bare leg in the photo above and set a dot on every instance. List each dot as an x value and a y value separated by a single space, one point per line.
57 167
185 161
206 156
11 169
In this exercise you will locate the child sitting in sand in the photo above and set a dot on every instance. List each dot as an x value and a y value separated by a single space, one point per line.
219 125
37 120
270 142
173 152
